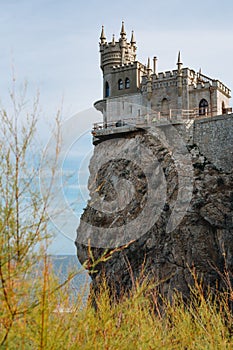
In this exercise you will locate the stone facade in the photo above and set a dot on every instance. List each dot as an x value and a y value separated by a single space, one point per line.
127 81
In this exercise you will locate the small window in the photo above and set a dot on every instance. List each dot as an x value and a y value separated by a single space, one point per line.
120 84
203 107
127 83
165 108
107 89
223 108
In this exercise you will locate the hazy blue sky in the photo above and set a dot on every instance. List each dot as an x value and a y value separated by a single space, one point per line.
53 44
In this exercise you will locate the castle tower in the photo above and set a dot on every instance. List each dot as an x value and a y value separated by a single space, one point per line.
119 65
116 53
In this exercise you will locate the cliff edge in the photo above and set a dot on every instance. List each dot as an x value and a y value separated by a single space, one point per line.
170 206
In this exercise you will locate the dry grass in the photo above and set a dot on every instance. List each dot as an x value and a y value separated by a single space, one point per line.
36 312
132 323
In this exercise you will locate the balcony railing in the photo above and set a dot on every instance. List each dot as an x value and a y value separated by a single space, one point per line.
156 118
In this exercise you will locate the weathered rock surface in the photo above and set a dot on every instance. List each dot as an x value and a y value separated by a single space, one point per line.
203 239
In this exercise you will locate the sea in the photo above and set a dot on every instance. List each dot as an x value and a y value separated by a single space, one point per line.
63 248
70 196
65 264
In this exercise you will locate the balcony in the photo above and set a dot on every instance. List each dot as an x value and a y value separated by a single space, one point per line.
102 131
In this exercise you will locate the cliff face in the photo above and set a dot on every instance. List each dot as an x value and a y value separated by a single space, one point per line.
173 210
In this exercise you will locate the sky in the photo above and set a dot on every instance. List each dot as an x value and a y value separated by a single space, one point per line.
53 45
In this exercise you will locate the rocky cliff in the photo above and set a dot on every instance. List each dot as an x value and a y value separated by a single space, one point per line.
170 206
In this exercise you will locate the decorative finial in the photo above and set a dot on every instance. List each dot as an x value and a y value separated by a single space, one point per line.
148 63
155 65
149 70
179 63
133 41
123 32
102 36
113 40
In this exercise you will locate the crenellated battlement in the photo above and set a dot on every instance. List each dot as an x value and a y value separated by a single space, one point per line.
195 80
126 66
117 53
222 87
179 89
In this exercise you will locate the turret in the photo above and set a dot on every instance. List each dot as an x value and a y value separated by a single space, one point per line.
117 53
121 72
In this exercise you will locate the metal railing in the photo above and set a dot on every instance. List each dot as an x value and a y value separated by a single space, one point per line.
173 115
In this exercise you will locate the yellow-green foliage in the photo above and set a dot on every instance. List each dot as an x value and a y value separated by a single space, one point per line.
134 322
36 312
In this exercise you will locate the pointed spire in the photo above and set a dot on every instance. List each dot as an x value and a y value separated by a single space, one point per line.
179 63
149 70
154 64
133 41
123 32
102 36
199 78
113 40
179 82
148 63
123 28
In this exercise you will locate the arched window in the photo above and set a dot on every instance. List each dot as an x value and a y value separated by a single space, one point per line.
127 83
107 89
120 84
203 107
165 108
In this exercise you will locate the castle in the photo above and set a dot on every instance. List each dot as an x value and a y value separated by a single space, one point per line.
189 153
132 90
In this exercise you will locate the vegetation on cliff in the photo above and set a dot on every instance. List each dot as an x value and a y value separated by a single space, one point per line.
38 312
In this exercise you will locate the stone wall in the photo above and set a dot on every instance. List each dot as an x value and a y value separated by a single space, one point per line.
214 137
